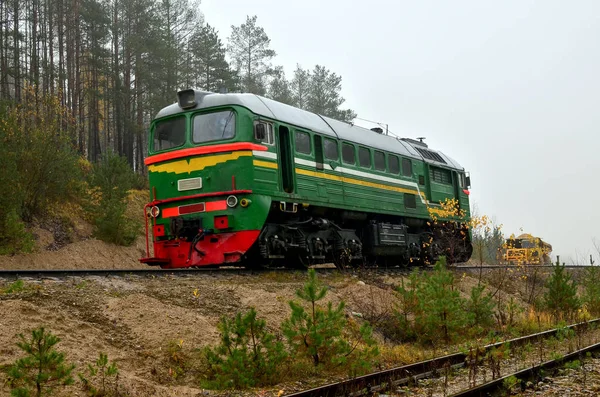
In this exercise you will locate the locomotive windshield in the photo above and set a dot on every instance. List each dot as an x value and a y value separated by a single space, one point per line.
169 133
213 126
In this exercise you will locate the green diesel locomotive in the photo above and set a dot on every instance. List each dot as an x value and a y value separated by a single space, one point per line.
242 179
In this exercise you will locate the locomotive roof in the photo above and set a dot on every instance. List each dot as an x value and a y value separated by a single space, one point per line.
324 125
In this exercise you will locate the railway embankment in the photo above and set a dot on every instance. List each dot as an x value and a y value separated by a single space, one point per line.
156 327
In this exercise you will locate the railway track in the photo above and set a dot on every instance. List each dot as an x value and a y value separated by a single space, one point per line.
389 379
524 375
60 273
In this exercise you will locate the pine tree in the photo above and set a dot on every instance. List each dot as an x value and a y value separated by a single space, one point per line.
441 313
248 355
480 308
324 95
318 333
43 369
99 378
279 87
591 284
111 179
249 49
409 303
300 87
207 55
561 296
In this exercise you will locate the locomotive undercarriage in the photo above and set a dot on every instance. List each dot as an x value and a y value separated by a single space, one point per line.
355 239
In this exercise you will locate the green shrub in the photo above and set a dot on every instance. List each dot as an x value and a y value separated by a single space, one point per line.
14 287
441 313
111 178
14 238
408 305
561 296
42 370
38 163
102 378
480 309
318 333
591 284
247 356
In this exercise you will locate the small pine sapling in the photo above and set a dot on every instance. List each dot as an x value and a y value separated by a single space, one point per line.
42 370
441 308
480 308
591 284
247 356
318 333
101 372
561 296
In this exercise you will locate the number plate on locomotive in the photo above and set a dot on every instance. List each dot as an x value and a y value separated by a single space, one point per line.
189 184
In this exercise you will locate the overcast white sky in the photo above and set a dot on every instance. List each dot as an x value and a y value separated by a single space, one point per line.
510 89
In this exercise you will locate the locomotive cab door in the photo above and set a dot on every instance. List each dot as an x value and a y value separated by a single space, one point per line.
286 161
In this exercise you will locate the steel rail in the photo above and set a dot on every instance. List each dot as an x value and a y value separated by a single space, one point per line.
486 389
56 273
138 272
153 271
517 267
383 380
242 269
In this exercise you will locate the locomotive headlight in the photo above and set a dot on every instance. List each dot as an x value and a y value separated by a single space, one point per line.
232 201
154 212
186 98
245 202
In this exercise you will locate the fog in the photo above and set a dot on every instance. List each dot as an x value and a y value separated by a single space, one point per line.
510 89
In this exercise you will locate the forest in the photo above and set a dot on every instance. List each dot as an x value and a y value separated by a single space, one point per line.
113 64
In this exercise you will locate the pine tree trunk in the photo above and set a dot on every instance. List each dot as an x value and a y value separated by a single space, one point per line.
51 48
16 63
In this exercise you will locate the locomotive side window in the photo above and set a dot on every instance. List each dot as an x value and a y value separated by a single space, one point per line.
264 133
364 157
302 142
379 158
394 164
410 200
331 149
348 153
213 126
406 167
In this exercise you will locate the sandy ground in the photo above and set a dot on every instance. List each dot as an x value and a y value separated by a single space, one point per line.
138 320
85 254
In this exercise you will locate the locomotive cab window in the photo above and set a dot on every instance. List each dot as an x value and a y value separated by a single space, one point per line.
348 153
263 132
463 180
394 164
364 157
302 142
379 158
330 148
406 167
213 126
169 133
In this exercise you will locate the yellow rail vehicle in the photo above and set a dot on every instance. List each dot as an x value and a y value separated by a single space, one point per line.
526 250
